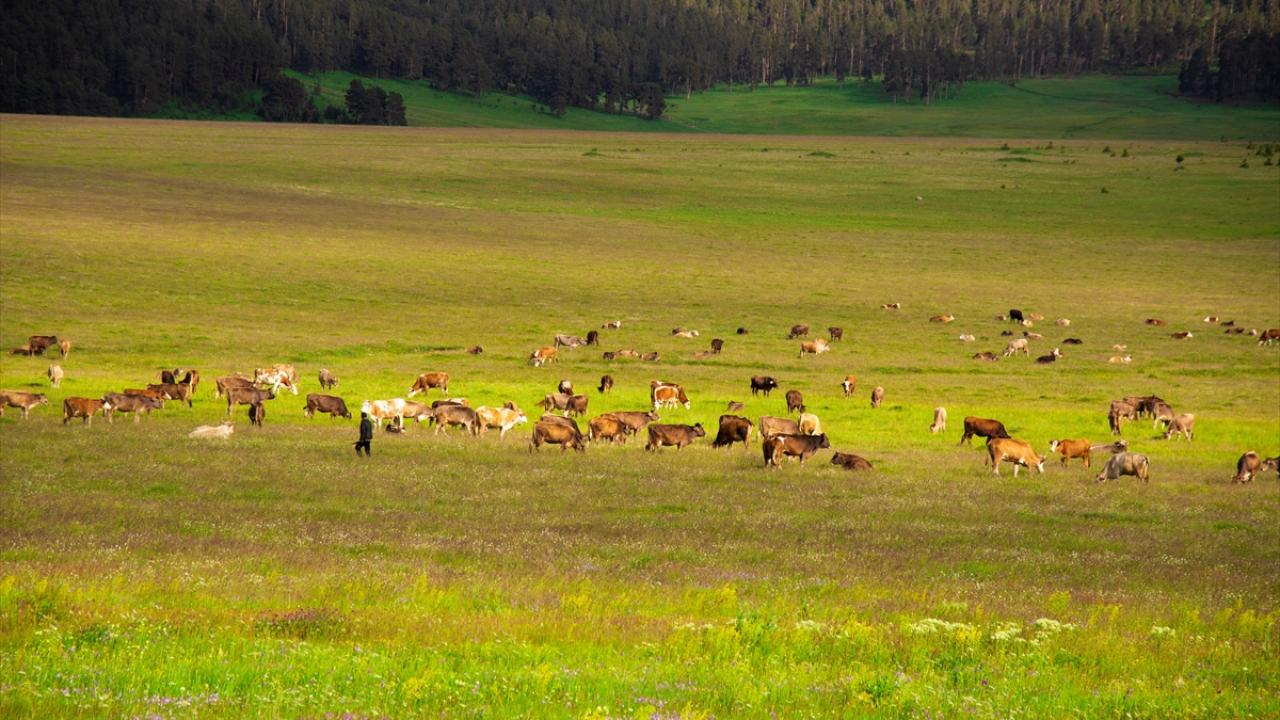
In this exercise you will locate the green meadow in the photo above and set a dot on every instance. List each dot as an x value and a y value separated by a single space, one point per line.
146 574
1136 107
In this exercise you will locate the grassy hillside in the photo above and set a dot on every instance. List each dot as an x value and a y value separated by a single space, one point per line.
143 573
1057 108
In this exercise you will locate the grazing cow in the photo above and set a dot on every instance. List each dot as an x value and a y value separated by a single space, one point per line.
501 418
138 405
810 424
967 338
1017 345
651 356
1183 425
328 380
1155 321
664 395
733 428
247 396
611 325
986 355
64 348
742 331
556 433
1126 463
1161 412
770 426
1182 335
635 420
213 432
798 331
78 407
795 401
1269 336
682 333
460 415
1062 322
1120 359
1017 452
391 410
225 384
942 319
734 406
426 381
849 461
717 345
565 386
763 384
475 350
556 401
332 404
1072 341
55 374
173 391
577 405
939 423
1251 464
1120 411
1016 315
421 411
877 396
153 393
814 347
543 356
1052 357
678 435
606 383
40 343
277 376
848 385
607 427
559 420
836 333
569 341
593 338
798 446
257 413
982 427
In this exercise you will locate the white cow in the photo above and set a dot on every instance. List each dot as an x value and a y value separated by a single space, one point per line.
379 410
222 431
502 418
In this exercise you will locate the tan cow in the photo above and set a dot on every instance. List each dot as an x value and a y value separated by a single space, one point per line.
460 415
502 418
426 381
22 400
1015 346
1251 464
770 426
877 396
137 405
814 347
55 374
1183 425
543 356
1120 359
939 423
1126 463
213 432
1081 448
942 319
64 348
78 407
810 424
1015 451
607 427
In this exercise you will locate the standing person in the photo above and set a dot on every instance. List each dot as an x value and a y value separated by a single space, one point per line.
366 434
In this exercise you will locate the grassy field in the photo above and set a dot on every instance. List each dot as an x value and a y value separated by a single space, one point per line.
1142 107
143 574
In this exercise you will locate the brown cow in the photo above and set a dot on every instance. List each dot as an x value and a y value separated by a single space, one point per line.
798 331
78 407
556 433
40 343
1120 411
150 392
606 383
257 413
247 396
635 420
1081 448
169 376
815 347
1251 464
556 401
836 333
849 461
942 319
795 401
733 428
1017 452
421 411
223 384
799 446
328 380
173 391
1155 321
1050 358
543 356
426 381
668 395
717 344
763 384
577 405
1182 335
607 427
138 405
982 427
475 350
651 356
22 400
877 396
770 426
335 406
191 379
848 385
1269 336
678 435
986 355
460 415
593 338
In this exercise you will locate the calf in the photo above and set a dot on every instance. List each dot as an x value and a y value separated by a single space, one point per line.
55 374
678 435
810 424
770 426
247 396
429 380
797 446
1251 464
836 333
556 433
795 401
848 385
877 396
332 404
939 423
607 427
816 347
606 383
257 413
577 405
78 407
593 338
1015 451
502 418
1120 411
717 345
982 427
64 348
733 428
1126 463
459 415
763 384
798 331
1182 425
1155 321
328 380
849 461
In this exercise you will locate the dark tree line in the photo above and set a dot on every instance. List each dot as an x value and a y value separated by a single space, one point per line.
132 56
1248 69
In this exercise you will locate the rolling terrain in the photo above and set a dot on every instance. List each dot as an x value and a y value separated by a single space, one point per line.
146 574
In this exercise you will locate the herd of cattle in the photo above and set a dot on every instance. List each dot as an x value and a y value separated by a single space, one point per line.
780 437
